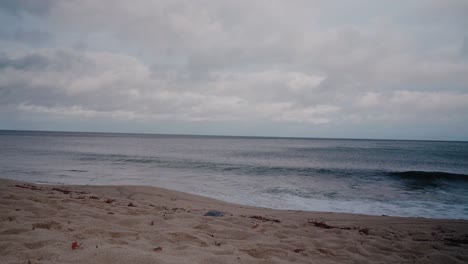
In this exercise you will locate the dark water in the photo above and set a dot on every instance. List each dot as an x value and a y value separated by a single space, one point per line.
406 178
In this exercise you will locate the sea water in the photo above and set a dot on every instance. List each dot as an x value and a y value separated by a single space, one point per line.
377 177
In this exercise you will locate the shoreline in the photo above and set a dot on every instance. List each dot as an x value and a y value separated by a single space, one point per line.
258 206
143 224
228 202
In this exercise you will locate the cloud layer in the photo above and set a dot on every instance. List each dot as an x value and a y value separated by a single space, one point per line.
313 66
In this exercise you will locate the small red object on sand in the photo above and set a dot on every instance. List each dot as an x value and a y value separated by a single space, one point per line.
75 245
255 226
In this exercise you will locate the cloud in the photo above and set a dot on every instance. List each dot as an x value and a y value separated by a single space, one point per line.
25 36
401 106
19 7
464 48
304 62
100 84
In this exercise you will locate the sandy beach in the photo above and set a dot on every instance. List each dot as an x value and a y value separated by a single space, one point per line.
136 224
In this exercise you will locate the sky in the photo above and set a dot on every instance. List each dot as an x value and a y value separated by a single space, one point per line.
296 68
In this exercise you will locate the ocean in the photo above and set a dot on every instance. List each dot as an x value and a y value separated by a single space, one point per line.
376 177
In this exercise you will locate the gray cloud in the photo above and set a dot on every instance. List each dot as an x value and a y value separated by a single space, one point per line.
25 36
19 7
271 62
28 62
464 48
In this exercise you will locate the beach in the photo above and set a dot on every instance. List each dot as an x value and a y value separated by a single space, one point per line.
138 224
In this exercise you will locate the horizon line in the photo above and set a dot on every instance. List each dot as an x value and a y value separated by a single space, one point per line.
228 136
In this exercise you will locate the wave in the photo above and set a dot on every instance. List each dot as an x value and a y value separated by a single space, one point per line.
430 176
220 167
424 180
422 177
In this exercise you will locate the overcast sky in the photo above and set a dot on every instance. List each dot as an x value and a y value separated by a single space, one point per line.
354 69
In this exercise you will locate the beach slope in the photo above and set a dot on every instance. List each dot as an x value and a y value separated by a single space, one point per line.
136 224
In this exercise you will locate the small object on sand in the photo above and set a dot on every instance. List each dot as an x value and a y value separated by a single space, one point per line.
131 205
456 241
176 209
320 224
299 250
28 186
152 223
217 244
109 201
46 225
62 190
214 213
255 226
75 245
157 249
265 219
364 231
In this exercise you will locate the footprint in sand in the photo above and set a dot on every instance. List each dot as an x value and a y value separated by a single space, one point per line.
264 253
38 244
180 237
14 231
47 225
133 235
234 234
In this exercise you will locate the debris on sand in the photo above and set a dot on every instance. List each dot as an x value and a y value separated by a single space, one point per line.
324 225
320 224
75 245
28 186
214 213
46 225
157 249
265 219
62 190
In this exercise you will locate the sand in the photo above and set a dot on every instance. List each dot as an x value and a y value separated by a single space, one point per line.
133 224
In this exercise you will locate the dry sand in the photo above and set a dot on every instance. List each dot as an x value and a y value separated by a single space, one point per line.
130 224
